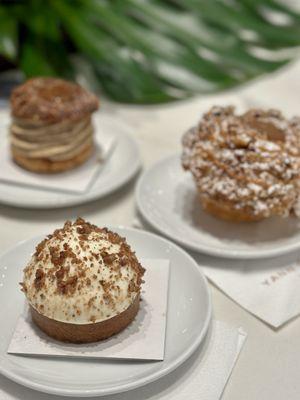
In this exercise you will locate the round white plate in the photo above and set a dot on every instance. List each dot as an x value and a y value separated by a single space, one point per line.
188 317
166 197
122 165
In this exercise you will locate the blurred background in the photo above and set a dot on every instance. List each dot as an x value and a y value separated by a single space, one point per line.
147 51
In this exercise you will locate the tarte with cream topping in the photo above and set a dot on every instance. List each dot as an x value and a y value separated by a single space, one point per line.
83 283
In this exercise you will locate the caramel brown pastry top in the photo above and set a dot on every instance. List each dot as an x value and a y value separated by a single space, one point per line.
250 162
51 100
82 274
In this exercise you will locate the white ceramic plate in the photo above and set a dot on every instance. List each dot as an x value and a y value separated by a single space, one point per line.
123 163
167 198
188 317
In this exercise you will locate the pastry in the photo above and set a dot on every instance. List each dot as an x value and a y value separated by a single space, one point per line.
51 129
83 283
246 167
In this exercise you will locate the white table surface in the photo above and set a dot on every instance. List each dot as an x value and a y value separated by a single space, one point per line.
268 367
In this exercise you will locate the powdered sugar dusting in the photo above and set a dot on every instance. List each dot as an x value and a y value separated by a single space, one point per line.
250 161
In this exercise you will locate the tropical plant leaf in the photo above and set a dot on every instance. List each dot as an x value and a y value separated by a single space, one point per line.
8 35
42 51
150 51
122 75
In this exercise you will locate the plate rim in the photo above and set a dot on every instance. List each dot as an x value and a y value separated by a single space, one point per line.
88 196
202 248
142 381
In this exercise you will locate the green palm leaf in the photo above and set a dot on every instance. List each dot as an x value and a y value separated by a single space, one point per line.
8 35
150 51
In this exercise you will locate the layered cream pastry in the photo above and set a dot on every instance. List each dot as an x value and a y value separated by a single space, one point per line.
51 129
83 283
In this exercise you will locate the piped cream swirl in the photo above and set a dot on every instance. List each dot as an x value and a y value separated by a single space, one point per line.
55 142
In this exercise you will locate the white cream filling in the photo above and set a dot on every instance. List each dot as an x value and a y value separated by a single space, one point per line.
62 307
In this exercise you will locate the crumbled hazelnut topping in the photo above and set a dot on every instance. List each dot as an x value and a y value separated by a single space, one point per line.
39 279
91 272
249 162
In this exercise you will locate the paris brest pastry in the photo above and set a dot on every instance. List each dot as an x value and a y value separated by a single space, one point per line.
51 129
246 167
83 283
